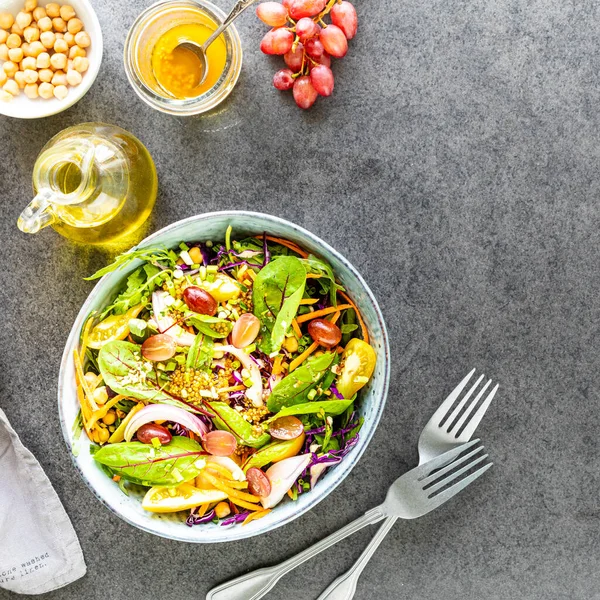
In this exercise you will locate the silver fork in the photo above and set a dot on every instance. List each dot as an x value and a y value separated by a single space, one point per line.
255 585
444 431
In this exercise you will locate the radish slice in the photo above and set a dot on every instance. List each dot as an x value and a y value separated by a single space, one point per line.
282 476
165 323
163 412
317 470
255 391
230 465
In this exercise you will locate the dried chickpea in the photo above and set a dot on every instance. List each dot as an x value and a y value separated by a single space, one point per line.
74 26
26 48
61 46
81 64
36 48
3 52
31 90
70 39
3 77
67 12
30 5
58 60
14 41
43 61
69 64
76 51
82 39
31 76
23 19
59 78
53 10
11 87
10 68
20 79
59 24
61 91
39 13
16 29
46 90
48 38
5 96
6 20
110 417
103 435
3 36
45 24
15 54
29 63
74 77
31 34
46 75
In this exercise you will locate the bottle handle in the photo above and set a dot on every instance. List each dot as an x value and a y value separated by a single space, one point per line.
38 213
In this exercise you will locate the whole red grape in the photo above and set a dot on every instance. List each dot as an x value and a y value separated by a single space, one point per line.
273 14
294 58
314 48
277 41
304 92
283 79
306 8
306 28
334 41
322 79
344 16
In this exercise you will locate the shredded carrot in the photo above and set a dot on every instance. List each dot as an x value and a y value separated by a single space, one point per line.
102 412
335 317
300 359
289 493
233 494
296 328
358 316
246 505
202 510
256 515
232 388
116 478
286 243
220 470
84 338
309 300
277 365
321 313
82 381
192 436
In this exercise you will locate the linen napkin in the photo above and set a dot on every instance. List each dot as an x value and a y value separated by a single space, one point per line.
39 549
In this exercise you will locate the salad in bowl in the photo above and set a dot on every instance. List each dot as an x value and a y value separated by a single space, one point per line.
222 378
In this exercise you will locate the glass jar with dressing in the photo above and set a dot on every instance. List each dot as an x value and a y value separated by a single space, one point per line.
167 77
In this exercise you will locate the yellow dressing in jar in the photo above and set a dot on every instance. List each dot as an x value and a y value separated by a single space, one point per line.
178 70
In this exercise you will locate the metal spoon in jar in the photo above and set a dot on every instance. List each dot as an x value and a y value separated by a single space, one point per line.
200 50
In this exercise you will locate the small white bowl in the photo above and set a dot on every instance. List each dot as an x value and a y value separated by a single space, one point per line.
23 107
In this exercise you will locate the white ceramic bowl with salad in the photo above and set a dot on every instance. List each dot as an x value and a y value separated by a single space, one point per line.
158 444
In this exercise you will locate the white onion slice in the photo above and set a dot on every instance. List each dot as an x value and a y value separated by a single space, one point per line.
163 412
255 391
282 476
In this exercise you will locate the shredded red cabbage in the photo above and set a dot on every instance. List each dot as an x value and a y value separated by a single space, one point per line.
235 519
267 255
336 393
194 520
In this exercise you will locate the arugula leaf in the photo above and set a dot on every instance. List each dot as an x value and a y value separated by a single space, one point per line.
170 465
327 281
294 388
156 254
231 420
349 327
276 294
328 407
125 372
205 324
200 354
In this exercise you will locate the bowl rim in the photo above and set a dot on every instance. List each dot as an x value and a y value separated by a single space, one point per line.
234 534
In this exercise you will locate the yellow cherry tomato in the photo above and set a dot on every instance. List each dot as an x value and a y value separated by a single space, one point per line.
115 327
358 364
222 288
183 497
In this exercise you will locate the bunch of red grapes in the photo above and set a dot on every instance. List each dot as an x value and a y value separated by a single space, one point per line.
307 43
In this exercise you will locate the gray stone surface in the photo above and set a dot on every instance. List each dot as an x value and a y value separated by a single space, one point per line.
456 166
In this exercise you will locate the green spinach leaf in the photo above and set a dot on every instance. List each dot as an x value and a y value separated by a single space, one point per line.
276 294
201 353
125 372
294 388
231 420
327 281
170 465
205 324
168 258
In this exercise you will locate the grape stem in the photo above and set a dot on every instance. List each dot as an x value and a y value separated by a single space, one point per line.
325 11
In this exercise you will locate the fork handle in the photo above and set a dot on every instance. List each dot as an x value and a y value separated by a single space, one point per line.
255 585
344 587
